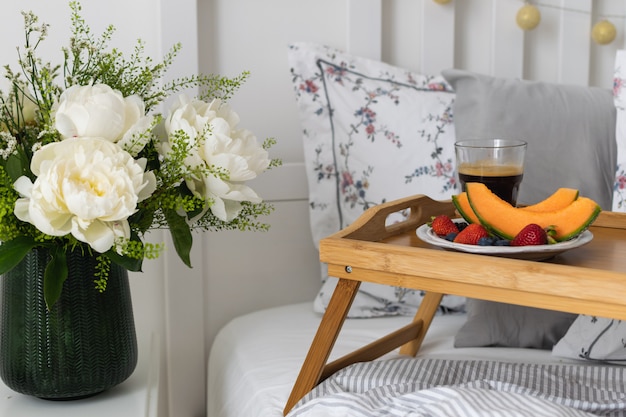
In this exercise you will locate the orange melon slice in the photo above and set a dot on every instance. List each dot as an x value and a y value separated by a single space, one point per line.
464 208
561 198
504 220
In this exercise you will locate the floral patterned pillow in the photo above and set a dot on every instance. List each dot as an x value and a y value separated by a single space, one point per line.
619 95
372 133
594 339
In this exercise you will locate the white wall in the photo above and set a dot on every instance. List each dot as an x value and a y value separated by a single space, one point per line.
137 21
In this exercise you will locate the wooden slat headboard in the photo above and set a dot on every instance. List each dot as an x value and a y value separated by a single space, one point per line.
445 38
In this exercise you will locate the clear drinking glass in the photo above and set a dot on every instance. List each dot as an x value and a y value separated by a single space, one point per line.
497 163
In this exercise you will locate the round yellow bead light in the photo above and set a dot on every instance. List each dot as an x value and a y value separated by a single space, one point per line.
603 32
528 17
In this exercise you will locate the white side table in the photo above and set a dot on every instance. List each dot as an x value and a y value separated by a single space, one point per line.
135 397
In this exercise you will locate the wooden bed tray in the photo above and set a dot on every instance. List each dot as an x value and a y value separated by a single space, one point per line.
587 280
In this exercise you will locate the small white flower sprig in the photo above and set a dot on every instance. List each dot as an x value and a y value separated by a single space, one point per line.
87 163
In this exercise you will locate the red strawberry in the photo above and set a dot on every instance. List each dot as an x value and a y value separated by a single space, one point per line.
443 225
532 234
471 234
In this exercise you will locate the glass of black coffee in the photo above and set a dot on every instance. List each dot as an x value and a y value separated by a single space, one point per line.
497 163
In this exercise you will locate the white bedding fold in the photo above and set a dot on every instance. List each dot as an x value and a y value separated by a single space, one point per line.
440 387
444 402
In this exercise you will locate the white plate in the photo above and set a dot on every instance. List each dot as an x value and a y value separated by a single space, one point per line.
535 253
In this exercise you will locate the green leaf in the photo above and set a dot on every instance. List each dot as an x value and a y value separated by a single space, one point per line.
181 235
142 220
131 264
54 277
15 167
13 251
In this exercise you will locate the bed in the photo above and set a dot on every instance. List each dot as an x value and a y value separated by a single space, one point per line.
252 374
255 358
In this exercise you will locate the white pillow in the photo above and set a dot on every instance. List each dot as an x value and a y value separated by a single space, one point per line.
594 339
372 133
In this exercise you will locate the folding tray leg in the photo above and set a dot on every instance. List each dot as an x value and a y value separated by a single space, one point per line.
425 313
324 340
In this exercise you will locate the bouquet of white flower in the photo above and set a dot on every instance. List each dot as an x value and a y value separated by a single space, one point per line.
87 161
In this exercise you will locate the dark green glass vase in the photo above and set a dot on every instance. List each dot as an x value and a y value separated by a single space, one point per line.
85 345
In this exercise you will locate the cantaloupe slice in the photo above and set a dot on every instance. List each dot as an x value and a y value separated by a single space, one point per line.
504 220
463 207
561 198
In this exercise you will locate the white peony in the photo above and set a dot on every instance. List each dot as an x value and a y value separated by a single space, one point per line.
212 131
85 186
136 138
98 111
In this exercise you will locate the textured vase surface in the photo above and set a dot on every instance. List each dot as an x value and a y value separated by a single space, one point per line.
84 345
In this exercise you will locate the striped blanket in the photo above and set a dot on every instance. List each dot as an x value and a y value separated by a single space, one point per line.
443 387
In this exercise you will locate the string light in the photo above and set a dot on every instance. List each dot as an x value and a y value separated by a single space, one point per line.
528 17
603 32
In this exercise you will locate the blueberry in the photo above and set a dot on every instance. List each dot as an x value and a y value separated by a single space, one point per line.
502 242
451 236
461 225
485 241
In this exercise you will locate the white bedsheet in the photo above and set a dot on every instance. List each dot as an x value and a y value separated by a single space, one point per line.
256 358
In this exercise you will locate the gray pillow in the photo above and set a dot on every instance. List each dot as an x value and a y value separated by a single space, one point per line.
506 325
570 130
